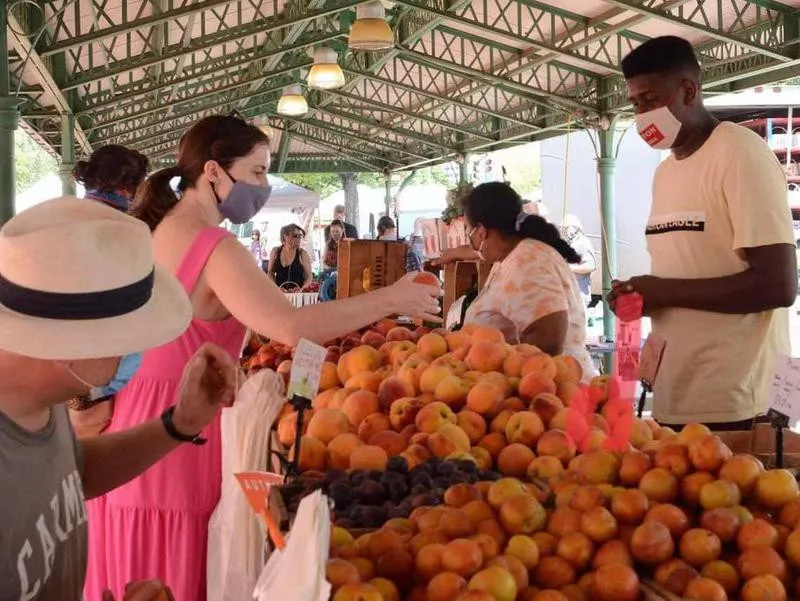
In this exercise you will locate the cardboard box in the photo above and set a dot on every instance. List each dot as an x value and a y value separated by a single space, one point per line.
460 277
366 265
760 442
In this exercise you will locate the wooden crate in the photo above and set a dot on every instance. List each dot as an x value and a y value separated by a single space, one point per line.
760 441
460 277
366 265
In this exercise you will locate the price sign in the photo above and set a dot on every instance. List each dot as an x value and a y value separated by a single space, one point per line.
785 394
306 369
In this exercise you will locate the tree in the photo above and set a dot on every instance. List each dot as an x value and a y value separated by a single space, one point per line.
350 186
32 161
323 184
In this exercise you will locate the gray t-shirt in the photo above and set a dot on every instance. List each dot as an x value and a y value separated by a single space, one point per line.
43 517
583 246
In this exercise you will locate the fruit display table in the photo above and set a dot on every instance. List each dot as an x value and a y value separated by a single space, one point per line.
461 468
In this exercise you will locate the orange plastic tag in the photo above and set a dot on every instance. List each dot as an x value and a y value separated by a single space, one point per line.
256 487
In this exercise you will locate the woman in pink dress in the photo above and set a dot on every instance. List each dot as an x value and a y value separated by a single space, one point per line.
156 526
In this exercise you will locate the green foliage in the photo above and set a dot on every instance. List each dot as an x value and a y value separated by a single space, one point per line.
326 184
323 184
32 162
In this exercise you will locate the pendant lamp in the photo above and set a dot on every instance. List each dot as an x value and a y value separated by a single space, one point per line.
326 74
370 30
292 102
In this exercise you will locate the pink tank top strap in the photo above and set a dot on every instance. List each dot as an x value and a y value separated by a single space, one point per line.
195 259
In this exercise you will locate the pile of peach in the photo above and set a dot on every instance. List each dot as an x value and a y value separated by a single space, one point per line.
459 395
700 522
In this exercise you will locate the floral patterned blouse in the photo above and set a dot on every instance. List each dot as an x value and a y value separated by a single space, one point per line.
532 282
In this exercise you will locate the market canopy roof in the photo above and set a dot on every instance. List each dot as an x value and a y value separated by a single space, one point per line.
465 75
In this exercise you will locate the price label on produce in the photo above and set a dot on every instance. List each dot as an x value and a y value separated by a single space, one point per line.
785 394
306 369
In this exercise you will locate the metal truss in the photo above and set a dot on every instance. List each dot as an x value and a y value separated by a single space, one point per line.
464 75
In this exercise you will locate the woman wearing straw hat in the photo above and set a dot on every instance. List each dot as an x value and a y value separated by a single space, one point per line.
65 319
158 523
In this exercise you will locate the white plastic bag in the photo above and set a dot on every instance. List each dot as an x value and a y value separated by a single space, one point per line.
236 540
297 573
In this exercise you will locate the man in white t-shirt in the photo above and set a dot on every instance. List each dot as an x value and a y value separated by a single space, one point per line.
721 245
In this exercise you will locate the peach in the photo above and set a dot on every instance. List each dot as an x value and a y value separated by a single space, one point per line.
652 544
372 424
763 588
692 432
708 453
633 466
720 493
485 398
563 520
397 565
397 353
545 467
340 572
547 406
340 397
568 369
595 440
287 427
327 424
500 421
423 539
366 569
390 441
340 449
512 404
454 524
359 405
458 367
313 455
447 440
457 340
660 486
368 457
432 376
540 363
674 575
411 371
487 334
762 561
360 359
613 551
497 582
583 498
569 392
756 534
599 525
483 459
673 457
566 418
373 339
630 506
493 442
416 455
324 398
724 522
705 589
432 345
723 573
775 488
535 383
524 548
698 546
485 357
742 470
525 427
673 517
386 588
399 334
512 366
514 460
433 416
477 511
392 389
445 586
598 467
459 495
366 380
556 443
577 549
504 489
553 572
522 514
691 486
329 377
451 390
640 433
462 556
473 425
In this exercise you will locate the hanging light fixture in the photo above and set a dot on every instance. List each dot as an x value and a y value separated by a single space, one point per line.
292 102
326 74
370 30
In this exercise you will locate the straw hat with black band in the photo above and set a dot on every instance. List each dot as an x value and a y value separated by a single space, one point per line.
78 281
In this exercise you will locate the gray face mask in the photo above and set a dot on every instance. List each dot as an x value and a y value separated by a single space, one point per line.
243 202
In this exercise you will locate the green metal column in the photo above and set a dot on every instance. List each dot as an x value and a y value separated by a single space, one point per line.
67 154
9 120
463 171
606 166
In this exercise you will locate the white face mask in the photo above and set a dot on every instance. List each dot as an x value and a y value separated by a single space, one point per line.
659 128
479 250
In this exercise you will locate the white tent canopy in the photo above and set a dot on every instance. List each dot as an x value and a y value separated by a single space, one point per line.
287 196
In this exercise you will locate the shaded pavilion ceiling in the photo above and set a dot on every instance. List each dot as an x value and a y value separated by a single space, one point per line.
464 75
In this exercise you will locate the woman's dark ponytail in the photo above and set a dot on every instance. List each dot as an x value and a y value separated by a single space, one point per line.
497 206
537 228
155 197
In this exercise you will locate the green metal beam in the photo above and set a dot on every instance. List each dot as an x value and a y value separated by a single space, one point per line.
36 66
67 155
703 29
283 151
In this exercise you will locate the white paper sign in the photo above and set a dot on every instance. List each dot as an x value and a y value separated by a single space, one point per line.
785 394
306 369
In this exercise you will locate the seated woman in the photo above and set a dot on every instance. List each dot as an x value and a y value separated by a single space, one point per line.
289 264
531 294
330 261
387 230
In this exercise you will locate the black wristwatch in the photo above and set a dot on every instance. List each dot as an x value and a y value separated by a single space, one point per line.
169 426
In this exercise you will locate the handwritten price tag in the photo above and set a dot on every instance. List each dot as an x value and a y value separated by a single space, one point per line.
306 369
650 359
785 394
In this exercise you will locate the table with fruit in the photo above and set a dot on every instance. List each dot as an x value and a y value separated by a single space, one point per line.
479 474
